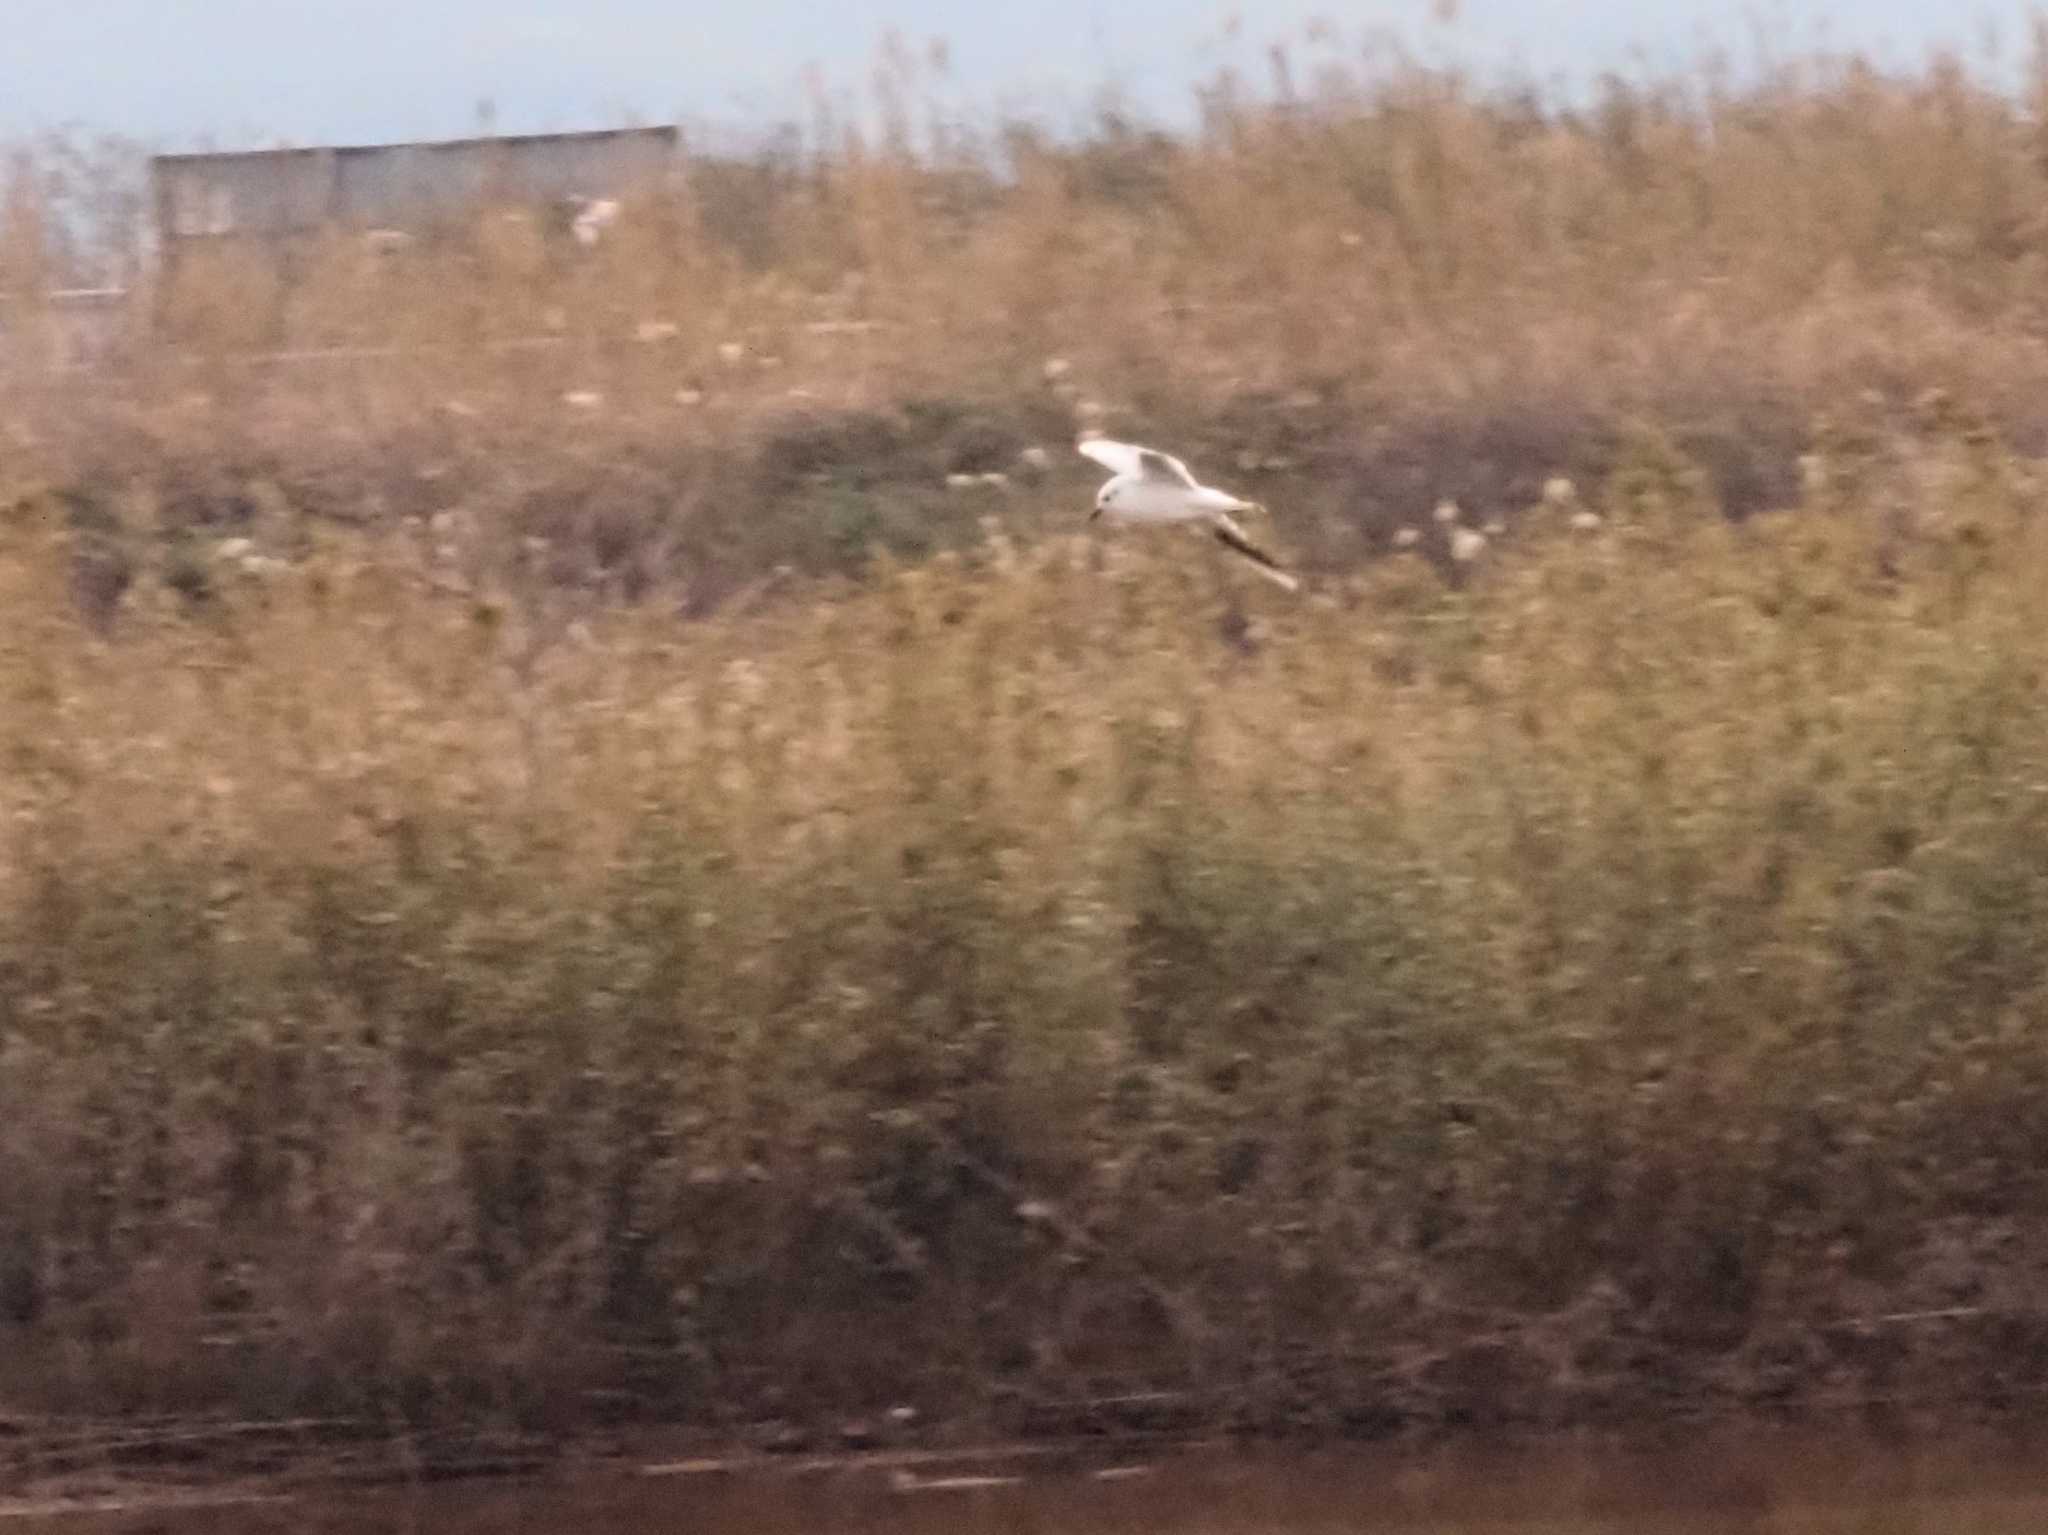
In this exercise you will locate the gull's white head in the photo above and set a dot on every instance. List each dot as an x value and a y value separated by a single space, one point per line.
1118 458
1105 497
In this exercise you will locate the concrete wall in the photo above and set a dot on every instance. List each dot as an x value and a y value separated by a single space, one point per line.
271 193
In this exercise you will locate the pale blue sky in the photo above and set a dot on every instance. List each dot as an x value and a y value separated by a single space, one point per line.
236 73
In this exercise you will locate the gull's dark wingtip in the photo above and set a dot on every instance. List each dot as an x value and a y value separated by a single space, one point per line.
1230 538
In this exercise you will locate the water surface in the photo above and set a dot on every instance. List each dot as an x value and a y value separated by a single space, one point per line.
1785 1483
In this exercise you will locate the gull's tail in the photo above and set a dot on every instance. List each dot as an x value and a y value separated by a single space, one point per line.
1232 536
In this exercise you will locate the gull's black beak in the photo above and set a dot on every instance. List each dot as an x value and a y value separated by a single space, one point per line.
1096 513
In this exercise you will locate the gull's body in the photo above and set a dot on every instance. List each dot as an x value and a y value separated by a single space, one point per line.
1147 486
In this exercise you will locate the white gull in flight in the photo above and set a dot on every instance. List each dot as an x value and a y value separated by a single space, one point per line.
1149 486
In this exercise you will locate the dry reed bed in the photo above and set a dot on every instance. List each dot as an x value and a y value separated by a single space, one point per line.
433 988
1381 290
1031 977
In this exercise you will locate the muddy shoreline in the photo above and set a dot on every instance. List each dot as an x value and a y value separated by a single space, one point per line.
80 1466
1785 1465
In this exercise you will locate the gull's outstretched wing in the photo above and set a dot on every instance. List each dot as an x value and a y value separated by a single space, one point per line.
1232 536
1129 458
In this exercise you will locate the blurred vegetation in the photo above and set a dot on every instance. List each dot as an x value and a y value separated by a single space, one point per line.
520 909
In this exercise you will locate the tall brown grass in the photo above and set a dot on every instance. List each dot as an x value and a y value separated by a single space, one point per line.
1367 295
440 979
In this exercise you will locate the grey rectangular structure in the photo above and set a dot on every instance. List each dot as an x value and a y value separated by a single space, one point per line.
273 193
